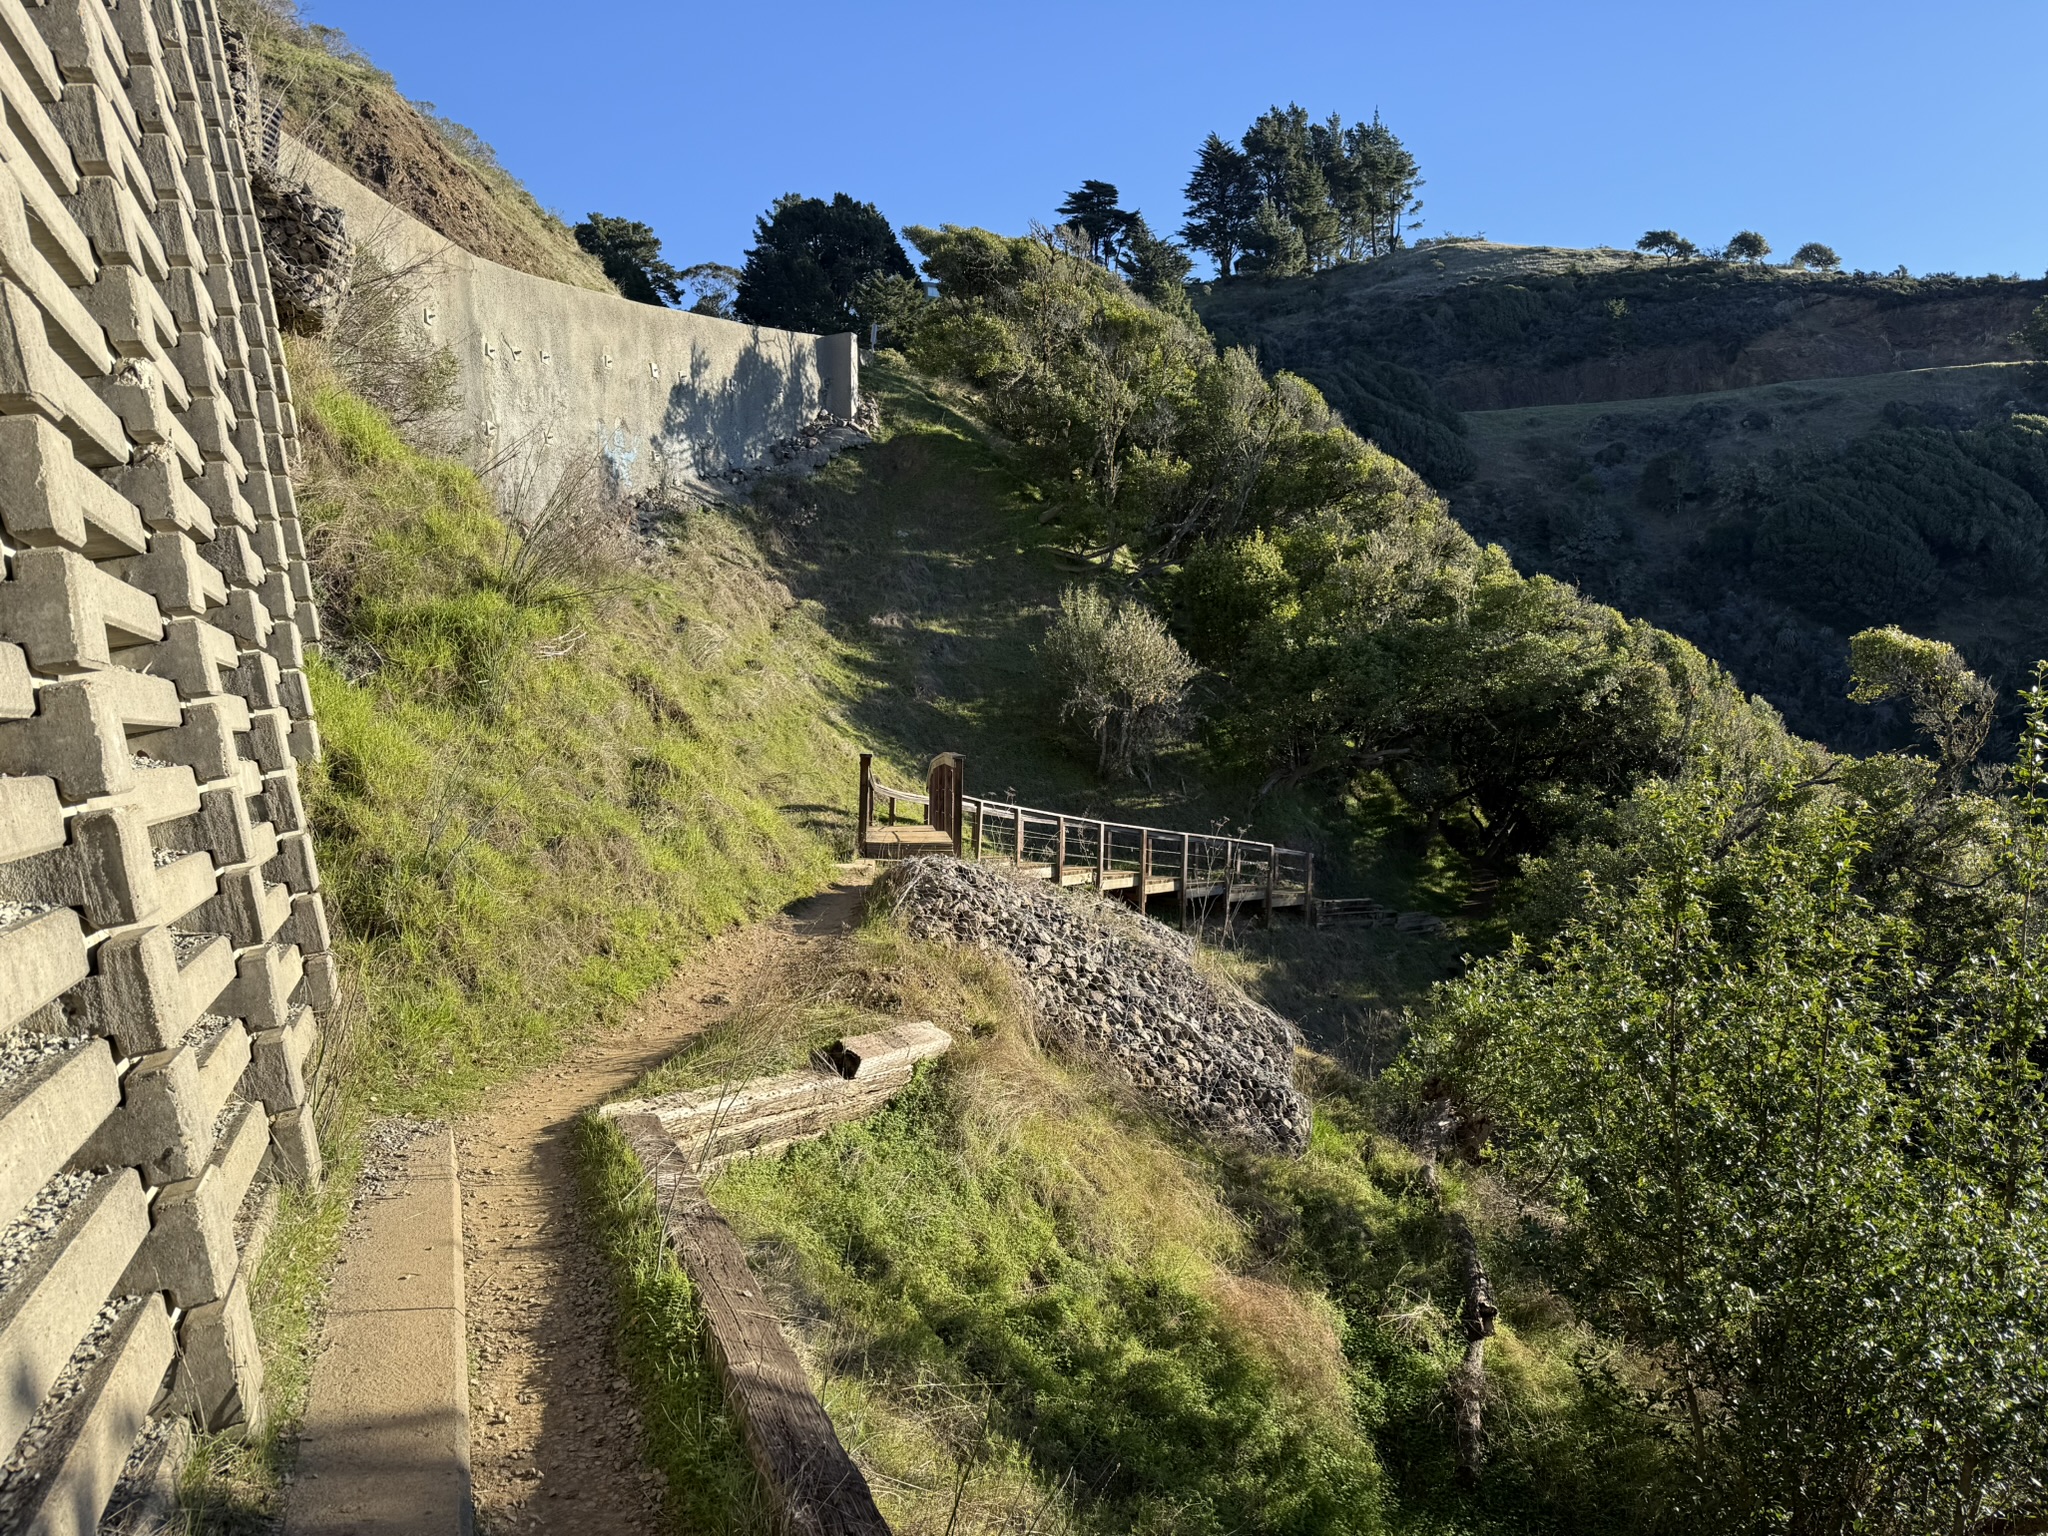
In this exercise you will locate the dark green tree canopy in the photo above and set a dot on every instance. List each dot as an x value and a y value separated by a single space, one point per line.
809 258
1667 243
1821 258
631 253
1342 193
1093 210
1747 245
1223 203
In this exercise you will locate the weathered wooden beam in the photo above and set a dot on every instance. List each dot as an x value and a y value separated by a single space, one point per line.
901 1046
709 1127
788 1433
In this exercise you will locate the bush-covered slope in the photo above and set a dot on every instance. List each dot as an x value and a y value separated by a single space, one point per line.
1713 447
1769 525
1493 327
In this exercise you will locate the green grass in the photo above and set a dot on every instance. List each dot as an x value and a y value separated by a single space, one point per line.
1030 1305
688 1433
533 806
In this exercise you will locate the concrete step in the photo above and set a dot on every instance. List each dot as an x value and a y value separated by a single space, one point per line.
385 1449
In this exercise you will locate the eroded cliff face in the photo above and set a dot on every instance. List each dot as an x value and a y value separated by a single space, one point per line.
1820 335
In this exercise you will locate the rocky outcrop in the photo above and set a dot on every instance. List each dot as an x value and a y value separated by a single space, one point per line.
1110 983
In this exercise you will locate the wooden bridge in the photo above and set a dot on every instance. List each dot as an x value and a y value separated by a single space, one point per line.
1137 862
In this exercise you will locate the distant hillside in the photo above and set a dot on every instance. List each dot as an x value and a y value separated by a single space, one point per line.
1498 326
439 172
1760 459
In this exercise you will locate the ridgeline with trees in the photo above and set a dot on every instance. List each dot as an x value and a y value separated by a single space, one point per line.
1297 196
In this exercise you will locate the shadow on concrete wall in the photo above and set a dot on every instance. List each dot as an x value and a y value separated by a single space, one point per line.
716 420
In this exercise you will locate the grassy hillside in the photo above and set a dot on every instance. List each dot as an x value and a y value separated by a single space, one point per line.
554 765
1031 1305
439 172
545 784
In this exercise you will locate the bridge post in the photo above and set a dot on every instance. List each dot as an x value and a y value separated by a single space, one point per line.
1187 850
866 813
1059 857
979 814
1101 857
1272 874
1017 826
1308 890
1144 867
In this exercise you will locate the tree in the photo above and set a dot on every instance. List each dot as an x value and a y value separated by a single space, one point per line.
1223 202
631 254
809 257
1156 267
1275 247
1669 244
1748 246
1281 148
1118 675
1821 258
1797 1164
715 286
1093 210
1387 180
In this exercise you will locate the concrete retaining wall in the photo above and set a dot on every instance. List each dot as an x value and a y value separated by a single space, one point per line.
664 396
164 951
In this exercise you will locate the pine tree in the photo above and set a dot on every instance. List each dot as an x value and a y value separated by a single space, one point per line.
1093 210
1390 179
1156 267
1223 203
1275 247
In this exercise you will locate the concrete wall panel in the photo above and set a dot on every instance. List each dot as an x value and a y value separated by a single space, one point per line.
664 396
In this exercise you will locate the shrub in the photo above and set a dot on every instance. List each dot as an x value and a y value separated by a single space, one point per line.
1119 675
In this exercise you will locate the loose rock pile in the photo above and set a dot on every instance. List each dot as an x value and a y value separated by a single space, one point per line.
812 447
305 241
1108 981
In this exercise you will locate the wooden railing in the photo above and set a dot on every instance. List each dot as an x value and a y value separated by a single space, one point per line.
1138 860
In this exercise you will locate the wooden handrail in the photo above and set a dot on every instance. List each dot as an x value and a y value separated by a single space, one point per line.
1060 842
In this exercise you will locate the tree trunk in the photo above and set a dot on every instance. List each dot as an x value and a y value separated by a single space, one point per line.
1466 1386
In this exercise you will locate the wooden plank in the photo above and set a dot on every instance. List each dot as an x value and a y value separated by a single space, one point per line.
901 1045
788 1432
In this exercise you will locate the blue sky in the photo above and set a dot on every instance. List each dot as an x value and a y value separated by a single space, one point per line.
1897 133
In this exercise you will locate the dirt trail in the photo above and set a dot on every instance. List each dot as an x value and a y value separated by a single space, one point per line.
554 1436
